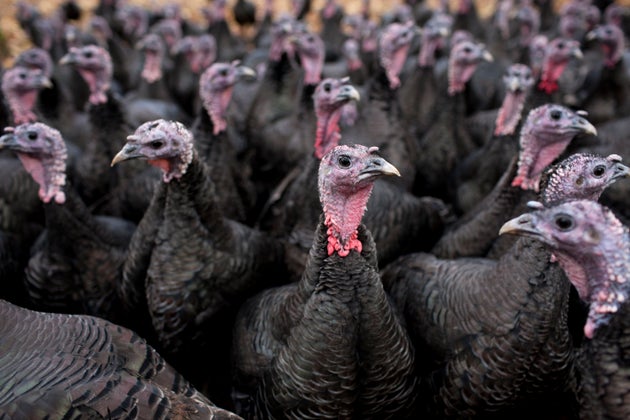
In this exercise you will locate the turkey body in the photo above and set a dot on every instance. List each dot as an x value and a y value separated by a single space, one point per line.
522 323
330 345
74 366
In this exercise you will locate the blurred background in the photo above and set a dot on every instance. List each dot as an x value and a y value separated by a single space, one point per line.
13 40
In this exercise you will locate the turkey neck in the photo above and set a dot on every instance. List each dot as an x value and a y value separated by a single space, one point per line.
362 351
206 142
381 95
476 231
450 114
282 75
70 221
108 131
420 93
198 189
109 127
73 231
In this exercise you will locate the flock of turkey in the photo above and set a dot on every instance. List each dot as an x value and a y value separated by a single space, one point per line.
394 218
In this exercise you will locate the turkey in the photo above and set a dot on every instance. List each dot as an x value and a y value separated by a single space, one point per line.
400 221
419 90
331 15
20 87
380 122
76 265
277 138
194 263
545 134
542 144
293 209
60 103
330 345
235 193
78 366
229 46
191 56
494 332
479 171
558 53
592 246
119 192
447 141
152 97
604 93
244 12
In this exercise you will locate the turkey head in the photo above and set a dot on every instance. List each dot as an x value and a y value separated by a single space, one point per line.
346 178
42 151
167 145
545 134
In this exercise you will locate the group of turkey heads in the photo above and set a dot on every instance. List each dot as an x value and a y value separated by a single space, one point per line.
315 214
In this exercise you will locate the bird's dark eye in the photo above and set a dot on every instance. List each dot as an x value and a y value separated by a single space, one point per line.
32 135
327 87
344 161
223 72
87 54
564 222
156 144
555 114
467 50
599 171
22 75
561 45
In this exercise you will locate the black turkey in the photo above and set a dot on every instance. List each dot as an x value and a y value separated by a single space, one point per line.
330 345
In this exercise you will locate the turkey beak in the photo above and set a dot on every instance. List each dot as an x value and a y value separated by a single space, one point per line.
577 53
583 125
521 225
244 72
129 151
487 56
444 32
377 166
347 93
513 84
8 141
69 58
45 82
621 171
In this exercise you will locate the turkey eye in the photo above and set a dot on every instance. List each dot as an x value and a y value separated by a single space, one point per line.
32 135
467 50
599 171
564 222
344 161
22 76
156 144
327 87
560 45
223 72
555 114
88 54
